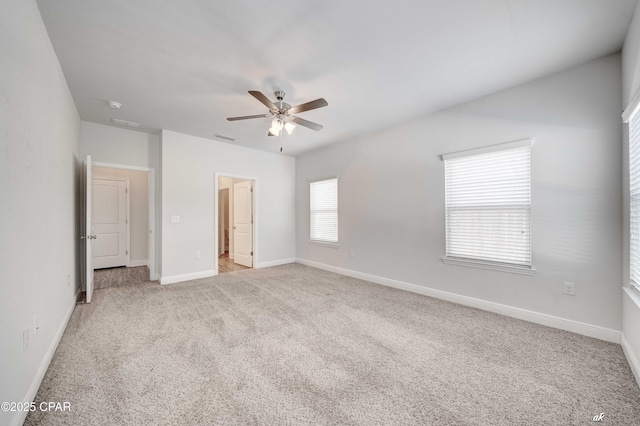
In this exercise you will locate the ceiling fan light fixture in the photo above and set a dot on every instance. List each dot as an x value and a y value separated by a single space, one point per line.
274 130
289 127
277 124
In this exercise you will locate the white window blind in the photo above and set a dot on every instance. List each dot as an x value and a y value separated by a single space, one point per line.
324 211
634 199
488 204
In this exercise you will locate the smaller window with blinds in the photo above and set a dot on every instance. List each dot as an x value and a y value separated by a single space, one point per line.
323 221
488 207
634 196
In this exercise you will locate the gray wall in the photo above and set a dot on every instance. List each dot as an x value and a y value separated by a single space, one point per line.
391 195
40 173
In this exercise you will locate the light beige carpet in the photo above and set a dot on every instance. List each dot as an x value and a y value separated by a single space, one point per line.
296 345
114 277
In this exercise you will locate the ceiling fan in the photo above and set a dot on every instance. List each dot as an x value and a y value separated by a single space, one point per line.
284 114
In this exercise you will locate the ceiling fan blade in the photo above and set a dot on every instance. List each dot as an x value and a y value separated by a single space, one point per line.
270 134
318 103
247 117
262 98
307 123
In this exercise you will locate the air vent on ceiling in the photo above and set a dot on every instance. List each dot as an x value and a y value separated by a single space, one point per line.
224 138
125 123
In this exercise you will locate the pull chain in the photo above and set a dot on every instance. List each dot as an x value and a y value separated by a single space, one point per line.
281 132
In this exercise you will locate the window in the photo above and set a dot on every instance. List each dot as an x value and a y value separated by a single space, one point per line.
323 223
488 207
634 199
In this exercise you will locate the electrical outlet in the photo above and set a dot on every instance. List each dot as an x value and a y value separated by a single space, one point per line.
569 289
197 255
36 327
353 254
25 339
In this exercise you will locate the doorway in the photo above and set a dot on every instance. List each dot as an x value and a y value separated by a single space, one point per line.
235 223
142 208
110 171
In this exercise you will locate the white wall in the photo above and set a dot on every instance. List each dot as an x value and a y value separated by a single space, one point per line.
631 300
189 165
113 145
40 173
391 196
138 209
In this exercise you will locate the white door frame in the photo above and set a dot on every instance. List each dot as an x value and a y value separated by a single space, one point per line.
217 176
128 215
153 272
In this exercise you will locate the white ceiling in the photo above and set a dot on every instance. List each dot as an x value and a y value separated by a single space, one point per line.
186 65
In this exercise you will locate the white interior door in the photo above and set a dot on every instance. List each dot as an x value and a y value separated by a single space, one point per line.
109 217
88 236
243 223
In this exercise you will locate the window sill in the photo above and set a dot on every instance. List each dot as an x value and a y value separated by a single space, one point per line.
634 294
521 270
324 244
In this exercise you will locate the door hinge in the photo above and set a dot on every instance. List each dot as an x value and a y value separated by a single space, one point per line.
251 253
126 190
127 252
252 189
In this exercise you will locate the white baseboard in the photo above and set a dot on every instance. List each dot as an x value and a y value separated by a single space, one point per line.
584 329
187 277
275 262
30 395
633 360
141 262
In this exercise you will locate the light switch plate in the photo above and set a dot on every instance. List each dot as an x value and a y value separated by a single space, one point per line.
569 289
